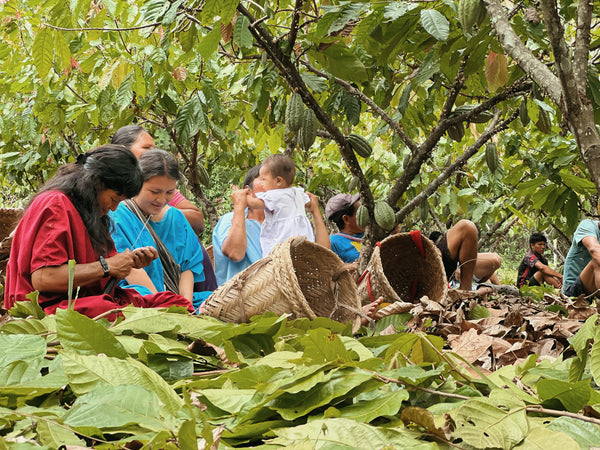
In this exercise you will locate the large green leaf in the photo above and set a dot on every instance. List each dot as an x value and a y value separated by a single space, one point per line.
572 395
114 407
578 184
86 372
230 400
595 357
190 119
342 63
55 435
241 34
480 422
435 24
82 335
586 434
21 358
342 433
545 438
43 50
209 43
322 345
292 406
365 411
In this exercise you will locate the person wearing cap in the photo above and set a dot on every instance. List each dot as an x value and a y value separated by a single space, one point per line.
458 245
341 210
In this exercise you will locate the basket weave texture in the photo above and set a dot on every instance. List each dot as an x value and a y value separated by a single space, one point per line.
399 272
9 218
298 277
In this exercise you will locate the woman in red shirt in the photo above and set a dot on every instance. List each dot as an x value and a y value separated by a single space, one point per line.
68 220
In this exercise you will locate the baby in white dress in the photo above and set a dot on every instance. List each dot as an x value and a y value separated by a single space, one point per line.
284 205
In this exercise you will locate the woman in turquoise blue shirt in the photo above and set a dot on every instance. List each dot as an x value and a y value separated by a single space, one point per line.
147 219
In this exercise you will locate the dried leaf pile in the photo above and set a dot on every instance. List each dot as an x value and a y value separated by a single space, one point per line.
493 331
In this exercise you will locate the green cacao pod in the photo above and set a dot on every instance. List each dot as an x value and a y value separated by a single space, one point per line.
537 92
523 113
462 109
354 182
481 13
456 131
482 117
423 210
308 129
203 176
360 145
543 123
362 216
293 112
468 13
384 215
491 156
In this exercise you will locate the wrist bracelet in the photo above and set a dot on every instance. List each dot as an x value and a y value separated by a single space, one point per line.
104 265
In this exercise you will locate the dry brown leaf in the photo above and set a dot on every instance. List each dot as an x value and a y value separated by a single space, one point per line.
471 345
513 319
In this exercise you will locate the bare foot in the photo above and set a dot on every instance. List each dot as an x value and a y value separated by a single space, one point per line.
370 309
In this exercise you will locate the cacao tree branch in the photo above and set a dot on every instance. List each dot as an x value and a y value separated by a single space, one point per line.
423 151
295 23
515 48
562 58
437 221
503 234
395 126
139 27
292 76
491 130
583 38
490 232
290 73
553 412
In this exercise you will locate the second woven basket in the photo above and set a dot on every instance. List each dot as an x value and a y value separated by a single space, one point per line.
298 277
404 267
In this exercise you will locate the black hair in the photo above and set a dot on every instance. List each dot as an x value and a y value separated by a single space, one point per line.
127 135
251 176
434 236
338 217
105 167
281 166
157 162
537 237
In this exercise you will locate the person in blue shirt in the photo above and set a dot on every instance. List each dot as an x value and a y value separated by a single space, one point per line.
148 220
581 273
236 238
341 210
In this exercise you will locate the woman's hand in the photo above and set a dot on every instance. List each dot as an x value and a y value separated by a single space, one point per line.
120 265
143 256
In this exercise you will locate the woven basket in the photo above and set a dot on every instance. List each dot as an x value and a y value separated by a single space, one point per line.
298 277
402 271
9 218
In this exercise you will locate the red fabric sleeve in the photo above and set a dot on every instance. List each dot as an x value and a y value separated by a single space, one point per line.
177 198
